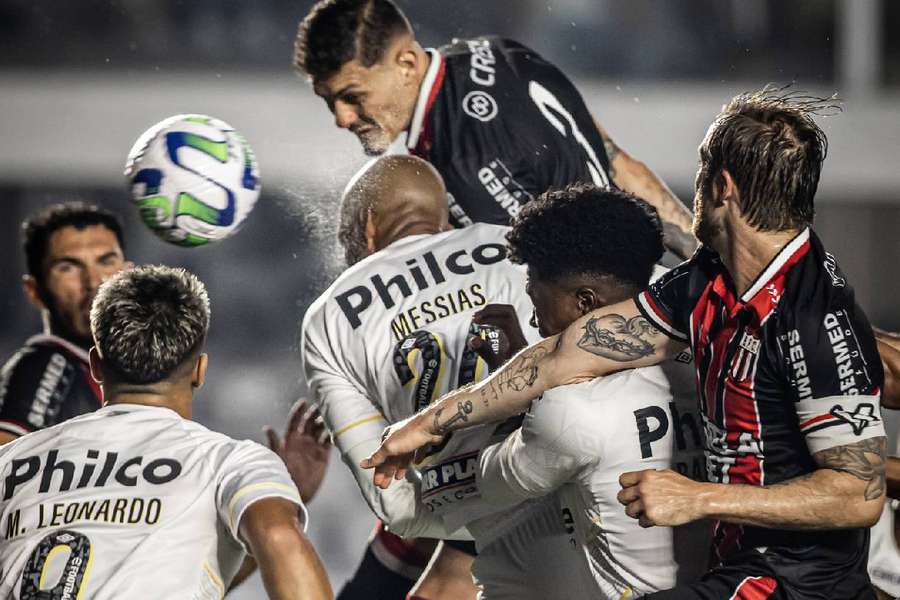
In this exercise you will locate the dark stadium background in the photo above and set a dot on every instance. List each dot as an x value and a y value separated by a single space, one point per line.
80 80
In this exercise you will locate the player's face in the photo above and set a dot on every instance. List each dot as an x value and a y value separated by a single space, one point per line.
77 262
555 306
374 103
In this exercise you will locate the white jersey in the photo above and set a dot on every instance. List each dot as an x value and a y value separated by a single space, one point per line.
575 443
129 502
388 338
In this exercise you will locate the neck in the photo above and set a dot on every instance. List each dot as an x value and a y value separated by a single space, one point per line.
745 252
53 326
402 230
423 64
148 396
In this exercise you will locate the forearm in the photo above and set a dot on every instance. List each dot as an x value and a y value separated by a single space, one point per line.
890 361
825 499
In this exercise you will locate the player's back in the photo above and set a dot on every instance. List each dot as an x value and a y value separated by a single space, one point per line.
130 501
396 323
637 419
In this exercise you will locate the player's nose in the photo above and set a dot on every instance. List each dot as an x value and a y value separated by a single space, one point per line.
344 115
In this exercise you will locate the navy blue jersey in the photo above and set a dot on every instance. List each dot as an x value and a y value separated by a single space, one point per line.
785 370
502 125
46 382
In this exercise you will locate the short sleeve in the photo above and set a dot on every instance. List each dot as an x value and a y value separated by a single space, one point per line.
667 303
249 472
34 382
834 372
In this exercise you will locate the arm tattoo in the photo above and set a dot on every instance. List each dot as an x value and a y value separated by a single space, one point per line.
864 460
462 414
612 337
517 375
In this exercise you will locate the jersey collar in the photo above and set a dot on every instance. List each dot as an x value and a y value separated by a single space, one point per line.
431 83
74 350
784 260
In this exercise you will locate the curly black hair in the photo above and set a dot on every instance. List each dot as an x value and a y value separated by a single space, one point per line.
334 32
585 229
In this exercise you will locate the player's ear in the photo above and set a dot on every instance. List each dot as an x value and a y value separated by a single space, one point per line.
370 232
405 55
198 376
95 362
30 287
588 299
726 189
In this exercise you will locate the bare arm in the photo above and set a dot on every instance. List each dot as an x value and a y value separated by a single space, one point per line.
634 176
847 490
606 340
890 360
289 565
6 437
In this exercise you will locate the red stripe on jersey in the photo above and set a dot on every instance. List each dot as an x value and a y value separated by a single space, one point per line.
403 549
755 588
815 420
659 314
423 146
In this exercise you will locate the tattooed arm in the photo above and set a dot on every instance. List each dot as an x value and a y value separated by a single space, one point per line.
609 339
634 176
847 490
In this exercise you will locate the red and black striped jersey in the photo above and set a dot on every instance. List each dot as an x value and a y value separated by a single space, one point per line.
46 382
784 370
501 125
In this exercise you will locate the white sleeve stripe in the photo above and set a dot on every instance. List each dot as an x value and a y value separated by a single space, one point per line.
14 428
282 490
657 320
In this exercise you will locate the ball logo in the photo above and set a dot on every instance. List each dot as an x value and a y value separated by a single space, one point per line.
480 105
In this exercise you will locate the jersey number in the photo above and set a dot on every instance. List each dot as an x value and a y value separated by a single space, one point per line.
430 348
71 579
555 112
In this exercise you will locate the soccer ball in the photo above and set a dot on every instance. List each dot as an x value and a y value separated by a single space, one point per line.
193 178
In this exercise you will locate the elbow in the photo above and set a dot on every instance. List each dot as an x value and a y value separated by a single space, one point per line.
397 514
868 512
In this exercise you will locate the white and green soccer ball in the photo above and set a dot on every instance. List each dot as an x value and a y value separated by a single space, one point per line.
193 178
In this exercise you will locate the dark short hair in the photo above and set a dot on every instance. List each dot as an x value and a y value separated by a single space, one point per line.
768 142
37 229
334 32
148 321
585 229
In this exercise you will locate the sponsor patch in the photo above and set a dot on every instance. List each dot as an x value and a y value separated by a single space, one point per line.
480 105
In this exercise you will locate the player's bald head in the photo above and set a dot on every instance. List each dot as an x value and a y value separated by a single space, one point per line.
398 195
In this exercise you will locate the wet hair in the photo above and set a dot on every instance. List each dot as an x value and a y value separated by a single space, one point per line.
587 230
37 229
334 32
148 321
768 142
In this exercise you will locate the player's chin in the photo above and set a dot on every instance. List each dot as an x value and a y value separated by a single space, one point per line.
374 145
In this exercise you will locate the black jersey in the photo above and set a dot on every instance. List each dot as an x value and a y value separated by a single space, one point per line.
46 382
501 125
785 370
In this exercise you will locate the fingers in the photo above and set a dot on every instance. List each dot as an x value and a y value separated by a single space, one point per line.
296 415
490 312
630 478
628 495
272 438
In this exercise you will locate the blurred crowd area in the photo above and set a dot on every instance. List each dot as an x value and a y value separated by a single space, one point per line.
645 39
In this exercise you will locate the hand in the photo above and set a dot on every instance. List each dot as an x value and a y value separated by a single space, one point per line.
306 448
496 334
398 447
661 497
